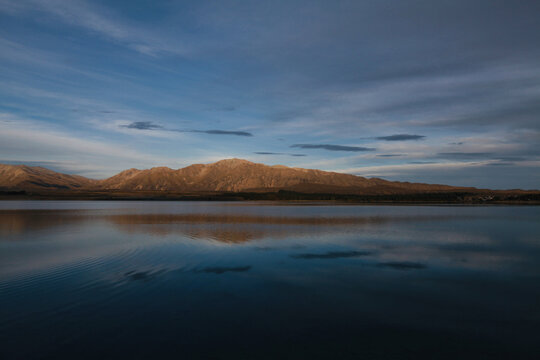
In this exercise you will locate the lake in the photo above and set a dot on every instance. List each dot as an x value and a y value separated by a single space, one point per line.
249 280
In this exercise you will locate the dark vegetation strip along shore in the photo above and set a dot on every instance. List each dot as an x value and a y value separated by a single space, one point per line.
500 197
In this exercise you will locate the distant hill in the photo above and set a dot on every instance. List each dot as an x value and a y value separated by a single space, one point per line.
231 175
235 175
236 179
22 177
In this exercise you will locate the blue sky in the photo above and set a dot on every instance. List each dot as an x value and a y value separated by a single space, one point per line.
438 92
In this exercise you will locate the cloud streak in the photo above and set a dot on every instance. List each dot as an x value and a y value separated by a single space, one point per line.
148 125
142 125
401 137
465 155
35 140
218 132
96 20
331 147
277 153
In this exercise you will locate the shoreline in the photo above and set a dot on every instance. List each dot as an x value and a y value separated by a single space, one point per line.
439 198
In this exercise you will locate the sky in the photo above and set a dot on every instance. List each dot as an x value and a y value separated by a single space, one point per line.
410 90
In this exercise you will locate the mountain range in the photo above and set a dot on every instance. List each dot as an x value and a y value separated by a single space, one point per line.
230 175
225 176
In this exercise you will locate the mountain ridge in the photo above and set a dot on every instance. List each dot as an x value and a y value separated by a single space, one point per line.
228 175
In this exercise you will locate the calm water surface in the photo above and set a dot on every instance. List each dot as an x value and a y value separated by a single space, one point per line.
84 279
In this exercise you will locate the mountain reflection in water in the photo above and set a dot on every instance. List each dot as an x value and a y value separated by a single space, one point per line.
262 280
224 228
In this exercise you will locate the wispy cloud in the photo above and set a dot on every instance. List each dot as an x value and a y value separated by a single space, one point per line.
501 163
470 173
148 125
330 147
31 140
464 155
95 19
487 96
400 137
219 132
277 153
142 125
389 170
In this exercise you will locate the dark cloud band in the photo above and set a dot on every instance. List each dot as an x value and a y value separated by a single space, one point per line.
148 125
401 137
277 153
219 132
142 125
332 147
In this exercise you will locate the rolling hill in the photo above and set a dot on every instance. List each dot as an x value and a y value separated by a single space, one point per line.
231 175
22 177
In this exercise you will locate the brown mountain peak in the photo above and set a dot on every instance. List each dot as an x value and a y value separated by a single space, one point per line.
233 162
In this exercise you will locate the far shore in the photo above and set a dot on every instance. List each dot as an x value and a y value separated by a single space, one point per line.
492 197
